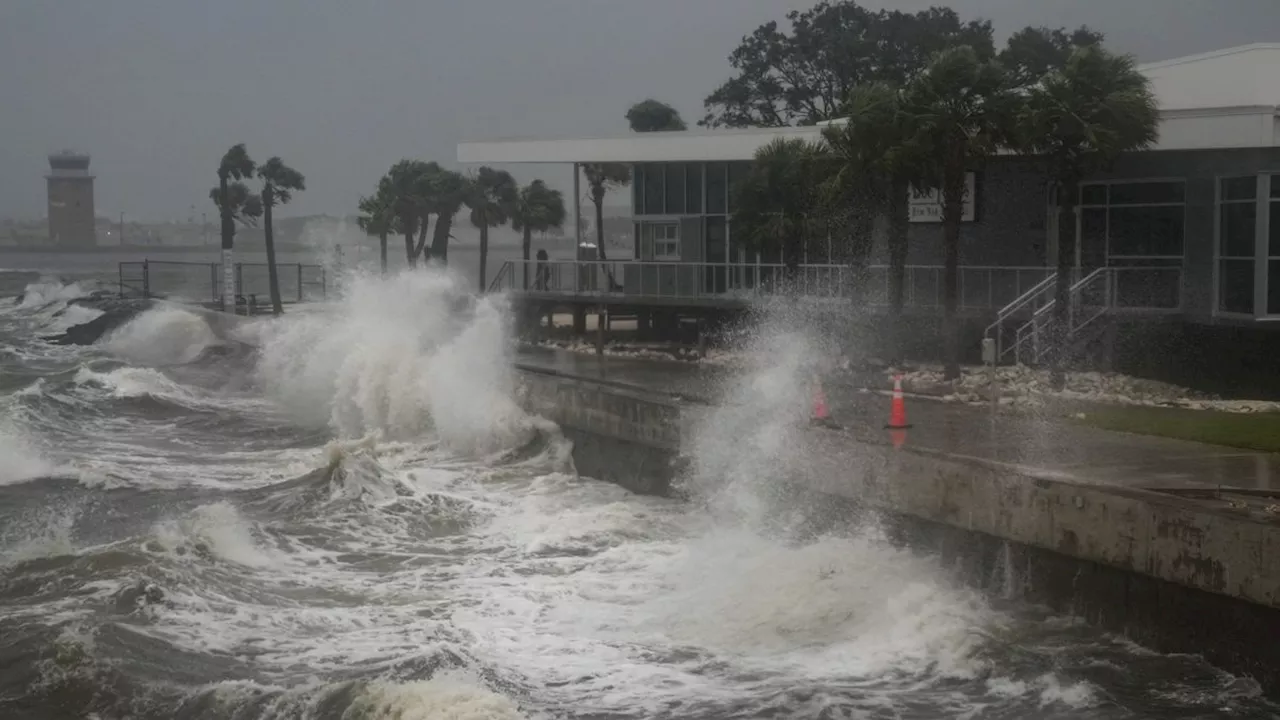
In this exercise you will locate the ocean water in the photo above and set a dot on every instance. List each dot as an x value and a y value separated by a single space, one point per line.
343 513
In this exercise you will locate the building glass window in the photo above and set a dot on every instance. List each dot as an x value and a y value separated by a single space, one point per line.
1139 227
665 240
693 188
1237 228
654 190
1273 249
717 183
675 188
637 189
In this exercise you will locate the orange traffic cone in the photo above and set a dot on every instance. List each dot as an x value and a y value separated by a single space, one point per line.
898 410
821 414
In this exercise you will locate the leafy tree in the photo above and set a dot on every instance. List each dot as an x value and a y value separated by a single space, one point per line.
602 177
653 116
1033 52
492 197
279 183
777 201
803 76
377 218
406 188
446 190
1081 119
958 113
538 209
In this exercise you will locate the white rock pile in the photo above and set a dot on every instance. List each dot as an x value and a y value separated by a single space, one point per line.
1029 387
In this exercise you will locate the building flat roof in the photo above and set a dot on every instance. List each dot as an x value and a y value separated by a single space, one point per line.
1217 100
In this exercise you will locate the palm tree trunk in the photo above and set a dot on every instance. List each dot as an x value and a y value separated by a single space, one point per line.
952 212
273 280
1068 190
409 230
440 238
899 223
228 237
526 245
484 254
382 252
422 239
597 199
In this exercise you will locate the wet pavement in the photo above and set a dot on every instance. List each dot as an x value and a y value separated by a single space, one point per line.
1032 444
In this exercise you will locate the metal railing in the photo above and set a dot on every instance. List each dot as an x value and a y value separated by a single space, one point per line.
1105 291
202 282
980 287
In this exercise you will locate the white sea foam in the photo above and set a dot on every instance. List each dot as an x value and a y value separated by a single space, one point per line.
46 292
407 356
164 335
20 458
447 696
218 529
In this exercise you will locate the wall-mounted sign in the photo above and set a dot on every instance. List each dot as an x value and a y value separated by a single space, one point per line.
926 205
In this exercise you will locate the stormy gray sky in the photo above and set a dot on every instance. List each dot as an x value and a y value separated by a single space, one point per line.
157 89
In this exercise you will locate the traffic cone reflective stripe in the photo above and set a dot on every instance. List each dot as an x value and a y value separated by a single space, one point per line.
898 410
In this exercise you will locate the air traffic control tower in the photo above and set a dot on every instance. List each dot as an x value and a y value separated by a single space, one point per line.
71 217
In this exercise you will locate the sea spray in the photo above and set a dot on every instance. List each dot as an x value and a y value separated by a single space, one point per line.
410 355
164 335
20 459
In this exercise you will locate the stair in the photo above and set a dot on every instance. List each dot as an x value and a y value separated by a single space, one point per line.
1024 329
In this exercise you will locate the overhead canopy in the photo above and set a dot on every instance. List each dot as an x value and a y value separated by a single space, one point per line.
1223 99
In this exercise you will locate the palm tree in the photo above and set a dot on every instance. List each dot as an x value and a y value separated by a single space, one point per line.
959 112
1080 119
778 199
406 187
235 165
876 164
538 209
445 192
492 198
377 218
279 183
601 178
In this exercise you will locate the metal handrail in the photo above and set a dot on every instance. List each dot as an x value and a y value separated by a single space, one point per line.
1033 329
684 280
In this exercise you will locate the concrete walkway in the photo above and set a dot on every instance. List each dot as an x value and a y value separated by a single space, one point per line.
1036 446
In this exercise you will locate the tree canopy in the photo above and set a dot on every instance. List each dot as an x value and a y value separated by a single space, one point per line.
654 116
803 76
1034 51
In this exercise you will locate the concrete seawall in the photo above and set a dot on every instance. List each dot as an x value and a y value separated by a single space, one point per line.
1171 572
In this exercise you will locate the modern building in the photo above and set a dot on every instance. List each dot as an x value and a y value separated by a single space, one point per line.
71 213
1188 230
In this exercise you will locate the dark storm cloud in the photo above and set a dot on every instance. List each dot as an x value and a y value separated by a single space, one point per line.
156 89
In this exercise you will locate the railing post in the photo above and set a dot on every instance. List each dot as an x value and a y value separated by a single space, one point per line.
146 279
239 284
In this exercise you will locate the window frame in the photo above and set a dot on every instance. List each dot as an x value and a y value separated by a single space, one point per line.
669 240
1218 257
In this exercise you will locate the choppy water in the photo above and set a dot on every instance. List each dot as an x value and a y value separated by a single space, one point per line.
344 514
